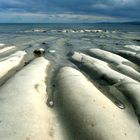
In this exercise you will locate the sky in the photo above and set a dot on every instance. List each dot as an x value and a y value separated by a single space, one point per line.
68 11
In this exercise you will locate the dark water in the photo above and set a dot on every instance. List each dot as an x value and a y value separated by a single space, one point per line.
11 28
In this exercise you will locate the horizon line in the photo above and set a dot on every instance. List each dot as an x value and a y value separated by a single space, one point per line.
67 22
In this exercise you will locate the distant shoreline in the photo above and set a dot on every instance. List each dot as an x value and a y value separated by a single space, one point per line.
130 23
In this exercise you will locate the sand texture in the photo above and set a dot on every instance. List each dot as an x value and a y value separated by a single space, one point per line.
84 85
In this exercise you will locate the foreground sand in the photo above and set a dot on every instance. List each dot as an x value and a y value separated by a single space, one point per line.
99 99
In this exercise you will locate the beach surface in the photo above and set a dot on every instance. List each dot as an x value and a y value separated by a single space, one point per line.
84 85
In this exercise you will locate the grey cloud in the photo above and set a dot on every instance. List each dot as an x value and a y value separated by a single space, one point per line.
127 9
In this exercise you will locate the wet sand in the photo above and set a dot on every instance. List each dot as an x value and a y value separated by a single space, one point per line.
96 97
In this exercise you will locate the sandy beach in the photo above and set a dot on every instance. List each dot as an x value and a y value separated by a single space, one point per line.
83 84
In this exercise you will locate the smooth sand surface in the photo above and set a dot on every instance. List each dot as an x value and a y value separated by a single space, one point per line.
24 113
92 113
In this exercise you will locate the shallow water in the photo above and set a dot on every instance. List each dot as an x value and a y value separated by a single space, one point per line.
65 38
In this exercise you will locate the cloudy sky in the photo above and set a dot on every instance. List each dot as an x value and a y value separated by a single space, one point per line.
54 11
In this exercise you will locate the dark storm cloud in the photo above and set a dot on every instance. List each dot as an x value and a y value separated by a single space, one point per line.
72 9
